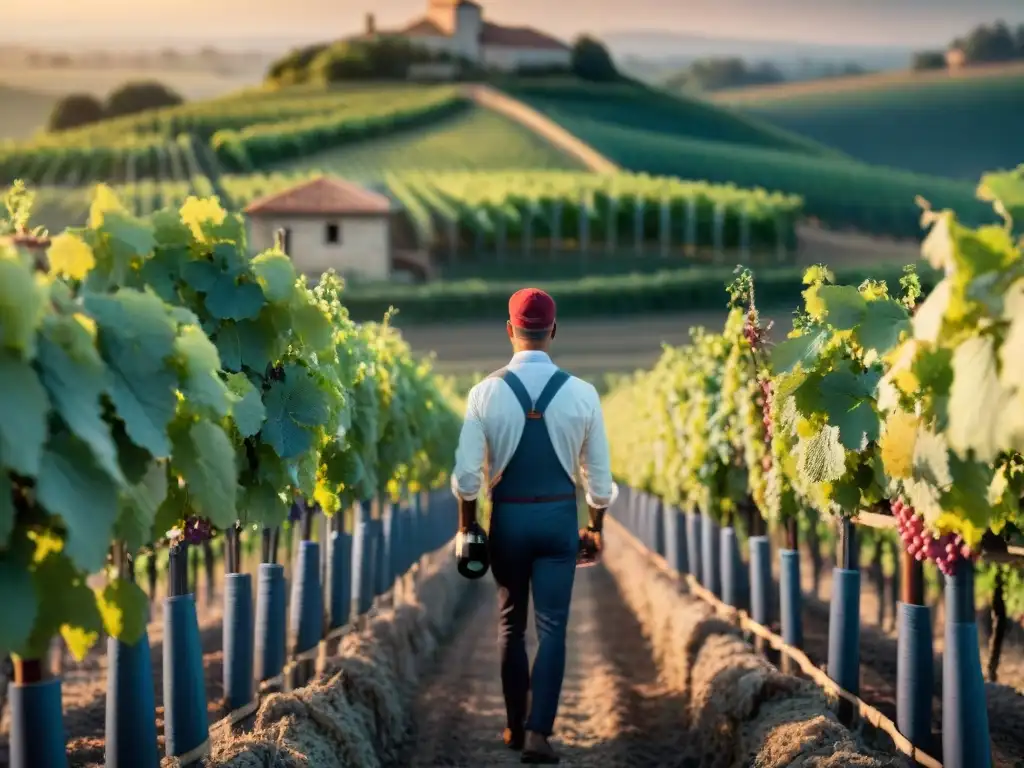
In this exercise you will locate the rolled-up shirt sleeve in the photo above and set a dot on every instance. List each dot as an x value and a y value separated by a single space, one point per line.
471 453
595 462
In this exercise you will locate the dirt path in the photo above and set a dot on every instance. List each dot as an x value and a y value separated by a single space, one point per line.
614 712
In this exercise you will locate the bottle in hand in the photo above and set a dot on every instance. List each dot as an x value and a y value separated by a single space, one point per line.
588 554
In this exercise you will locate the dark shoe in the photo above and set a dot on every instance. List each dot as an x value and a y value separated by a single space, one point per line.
539 751
513 738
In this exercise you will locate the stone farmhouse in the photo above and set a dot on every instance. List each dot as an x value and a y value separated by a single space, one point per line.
458 27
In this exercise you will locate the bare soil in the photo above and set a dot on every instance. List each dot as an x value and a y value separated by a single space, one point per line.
615 712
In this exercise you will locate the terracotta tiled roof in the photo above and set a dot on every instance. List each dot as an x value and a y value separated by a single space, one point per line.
518 37
321 196
423 28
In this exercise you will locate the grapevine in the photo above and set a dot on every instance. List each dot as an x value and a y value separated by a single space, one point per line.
161 384
876 401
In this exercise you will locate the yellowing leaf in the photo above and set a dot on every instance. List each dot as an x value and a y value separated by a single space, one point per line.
70 256
123 606
897 444
104 201
195 212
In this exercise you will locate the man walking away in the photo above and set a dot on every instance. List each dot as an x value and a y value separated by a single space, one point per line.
536 428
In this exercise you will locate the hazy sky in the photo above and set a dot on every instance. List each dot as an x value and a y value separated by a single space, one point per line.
906 22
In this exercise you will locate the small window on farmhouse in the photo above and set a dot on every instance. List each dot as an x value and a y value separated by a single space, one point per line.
333 234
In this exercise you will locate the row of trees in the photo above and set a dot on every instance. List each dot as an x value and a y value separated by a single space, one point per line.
715 74
392 58
985 44
78 109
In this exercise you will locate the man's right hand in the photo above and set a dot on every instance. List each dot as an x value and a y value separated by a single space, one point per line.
592 540
591 546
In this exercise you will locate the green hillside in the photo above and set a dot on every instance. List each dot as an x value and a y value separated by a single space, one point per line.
954 127
841 192
475 139
635 106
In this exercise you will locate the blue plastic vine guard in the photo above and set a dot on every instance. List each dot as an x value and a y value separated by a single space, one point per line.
270 621
130 735
966 742
37 735
185 721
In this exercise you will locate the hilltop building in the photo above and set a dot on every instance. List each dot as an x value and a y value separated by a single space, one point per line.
458 27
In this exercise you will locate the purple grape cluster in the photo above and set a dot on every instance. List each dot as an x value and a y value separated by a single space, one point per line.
752 330
197 530
945 551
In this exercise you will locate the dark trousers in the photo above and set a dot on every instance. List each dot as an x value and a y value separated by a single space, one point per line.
533 547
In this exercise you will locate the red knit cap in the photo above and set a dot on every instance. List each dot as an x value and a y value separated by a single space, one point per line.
532 309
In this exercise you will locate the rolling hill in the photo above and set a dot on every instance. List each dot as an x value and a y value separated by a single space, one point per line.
955 125
475 139
636 128
649 131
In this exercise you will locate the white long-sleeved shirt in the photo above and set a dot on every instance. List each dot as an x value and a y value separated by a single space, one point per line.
495 420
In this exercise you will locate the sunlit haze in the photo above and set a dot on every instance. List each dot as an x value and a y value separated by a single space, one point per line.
230 23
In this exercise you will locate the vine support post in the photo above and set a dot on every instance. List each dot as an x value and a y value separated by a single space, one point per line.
965 729
339 572
1000 624
237 624
710 554
790 594
208 566
307 603
388 568
130 732
362 560
693 544
656 524
914 659
844 618
270 625
675 539
37 736
186 729
733 586
151 574
760 577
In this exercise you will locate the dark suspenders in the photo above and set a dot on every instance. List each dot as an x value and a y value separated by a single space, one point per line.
534 411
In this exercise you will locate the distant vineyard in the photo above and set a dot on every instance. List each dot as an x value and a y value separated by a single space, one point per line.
841 193
505 210
476 139
243 136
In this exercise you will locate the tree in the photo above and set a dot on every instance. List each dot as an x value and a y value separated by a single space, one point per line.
990 44
293 67
713 74
138 97
591 60
925 60
74 110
